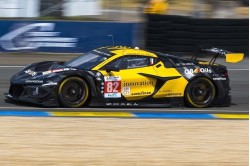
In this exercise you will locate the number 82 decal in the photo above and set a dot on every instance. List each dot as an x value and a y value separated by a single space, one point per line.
112 87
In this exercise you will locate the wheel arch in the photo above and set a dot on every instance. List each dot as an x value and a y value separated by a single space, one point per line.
87 78
196 77
84 78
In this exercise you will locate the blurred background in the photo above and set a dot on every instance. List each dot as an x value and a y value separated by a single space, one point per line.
161 25
121 10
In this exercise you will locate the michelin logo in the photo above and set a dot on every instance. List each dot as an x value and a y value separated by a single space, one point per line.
34 36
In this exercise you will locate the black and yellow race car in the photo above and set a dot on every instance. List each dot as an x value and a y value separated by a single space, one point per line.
126 77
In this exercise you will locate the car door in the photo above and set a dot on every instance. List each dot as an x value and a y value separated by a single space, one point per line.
171 83
131 81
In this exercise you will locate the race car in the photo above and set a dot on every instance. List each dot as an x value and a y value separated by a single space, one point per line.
118 76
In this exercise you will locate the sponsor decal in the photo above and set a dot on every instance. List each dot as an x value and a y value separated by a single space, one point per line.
184 64
142 83
197 70
126 90
56 71
137 53
141 93
34 81
30 72
166 91
47 72
112 95
122 104
50 84
173 94
112 78
34 36
112 86
219 79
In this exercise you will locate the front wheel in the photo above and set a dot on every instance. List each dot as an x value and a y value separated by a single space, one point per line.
200 93
73 92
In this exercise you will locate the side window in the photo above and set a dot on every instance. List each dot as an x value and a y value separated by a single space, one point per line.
136 62
167 63
129 62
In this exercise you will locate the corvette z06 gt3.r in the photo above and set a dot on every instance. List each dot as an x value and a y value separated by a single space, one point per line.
126 77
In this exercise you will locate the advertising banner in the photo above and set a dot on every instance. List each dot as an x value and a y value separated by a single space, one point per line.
64 36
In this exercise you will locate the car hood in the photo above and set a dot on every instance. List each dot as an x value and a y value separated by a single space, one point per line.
38 71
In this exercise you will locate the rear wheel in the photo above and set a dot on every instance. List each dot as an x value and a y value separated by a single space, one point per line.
200 93
73 92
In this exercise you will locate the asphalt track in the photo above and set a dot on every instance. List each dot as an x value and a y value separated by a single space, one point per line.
239 75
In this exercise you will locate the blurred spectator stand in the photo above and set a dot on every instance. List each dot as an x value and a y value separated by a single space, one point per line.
156 7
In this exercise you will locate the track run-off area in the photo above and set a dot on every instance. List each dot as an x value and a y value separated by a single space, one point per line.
31 135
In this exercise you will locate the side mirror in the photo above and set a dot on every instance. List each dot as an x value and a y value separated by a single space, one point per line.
111 68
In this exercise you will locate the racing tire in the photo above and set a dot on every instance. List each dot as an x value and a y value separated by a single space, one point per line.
200 93
73 92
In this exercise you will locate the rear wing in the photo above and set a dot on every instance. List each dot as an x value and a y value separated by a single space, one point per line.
216 52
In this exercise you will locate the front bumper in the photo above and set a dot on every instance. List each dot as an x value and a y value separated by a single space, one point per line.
35 94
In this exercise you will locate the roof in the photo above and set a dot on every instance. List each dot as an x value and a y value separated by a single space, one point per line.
122 50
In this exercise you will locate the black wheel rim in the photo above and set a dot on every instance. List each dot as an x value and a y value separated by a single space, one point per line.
73 92
201 93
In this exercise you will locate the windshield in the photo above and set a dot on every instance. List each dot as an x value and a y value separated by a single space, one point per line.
86 61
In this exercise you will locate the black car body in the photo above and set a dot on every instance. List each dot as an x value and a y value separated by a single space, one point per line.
104 77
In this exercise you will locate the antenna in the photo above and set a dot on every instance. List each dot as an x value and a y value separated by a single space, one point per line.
112 37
